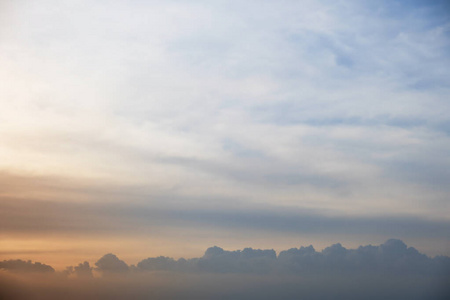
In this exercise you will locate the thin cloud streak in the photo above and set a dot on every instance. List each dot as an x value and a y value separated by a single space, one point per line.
33 216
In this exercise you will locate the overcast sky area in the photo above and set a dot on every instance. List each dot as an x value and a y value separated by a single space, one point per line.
147 128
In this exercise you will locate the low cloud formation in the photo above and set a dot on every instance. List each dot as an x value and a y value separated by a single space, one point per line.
392 257
389 271
18 265
216 260
83 270
247 261
110 264
161 263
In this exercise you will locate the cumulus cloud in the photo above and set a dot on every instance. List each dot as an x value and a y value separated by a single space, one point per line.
391 257
19 265
111 264
247 261
391 270
160 263
83 270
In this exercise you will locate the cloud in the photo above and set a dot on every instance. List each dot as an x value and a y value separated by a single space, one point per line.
306 77
391 270
246 261
160 263
19 265
83 270
215 260
392 257
110 264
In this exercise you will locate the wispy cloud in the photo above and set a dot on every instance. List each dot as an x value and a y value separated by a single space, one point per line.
119 219
149 91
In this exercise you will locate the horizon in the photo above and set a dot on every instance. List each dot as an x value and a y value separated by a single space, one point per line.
389 247
391 268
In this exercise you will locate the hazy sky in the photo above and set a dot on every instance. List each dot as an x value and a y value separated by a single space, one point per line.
150 127
391 270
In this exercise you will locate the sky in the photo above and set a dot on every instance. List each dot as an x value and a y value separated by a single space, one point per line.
148 128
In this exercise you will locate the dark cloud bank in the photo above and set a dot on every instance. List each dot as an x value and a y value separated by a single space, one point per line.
388 271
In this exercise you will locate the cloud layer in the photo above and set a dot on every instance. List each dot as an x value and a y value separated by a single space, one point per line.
391 271
392 257
18 265
339 103
119 219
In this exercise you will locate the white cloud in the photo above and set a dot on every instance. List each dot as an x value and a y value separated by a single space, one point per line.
282 103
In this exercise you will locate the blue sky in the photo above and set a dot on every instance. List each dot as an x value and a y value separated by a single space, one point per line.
338 109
